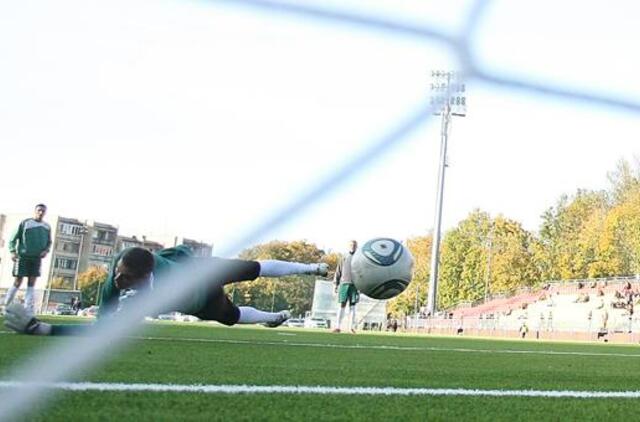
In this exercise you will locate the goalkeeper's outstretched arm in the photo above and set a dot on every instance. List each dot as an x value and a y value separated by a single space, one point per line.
18 319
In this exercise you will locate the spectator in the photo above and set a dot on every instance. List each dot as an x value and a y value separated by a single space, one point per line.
77 305
627 293
582 298
605 319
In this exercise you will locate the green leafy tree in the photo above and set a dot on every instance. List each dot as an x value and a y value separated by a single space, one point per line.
90 283
463 261
569 236
292 292
510 260
483 256
624 180
405 303
59 283
619 243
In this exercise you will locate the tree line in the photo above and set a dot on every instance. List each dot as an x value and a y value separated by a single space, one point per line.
589 234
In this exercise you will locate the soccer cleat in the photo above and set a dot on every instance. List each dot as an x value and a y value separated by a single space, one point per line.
335 330
282 317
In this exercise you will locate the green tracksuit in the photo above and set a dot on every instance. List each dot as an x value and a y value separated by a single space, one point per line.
207 301
29 241
164 261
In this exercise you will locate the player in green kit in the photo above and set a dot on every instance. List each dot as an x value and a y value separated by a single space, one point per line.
345 288
138 269
29 244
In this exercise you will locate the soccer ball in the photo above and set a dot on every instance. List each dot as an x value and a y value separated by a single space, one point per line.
382 268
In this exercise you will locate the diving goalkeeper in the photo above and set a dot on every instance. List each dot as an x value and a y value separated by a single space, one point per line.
137 269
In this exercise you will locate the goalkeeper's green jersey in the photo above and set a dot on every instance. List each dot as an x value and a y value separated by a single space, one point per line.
31 238
165 262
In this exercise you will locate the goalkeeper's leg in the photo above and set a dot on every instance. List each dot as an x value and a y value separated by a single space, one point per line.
220 308
235 270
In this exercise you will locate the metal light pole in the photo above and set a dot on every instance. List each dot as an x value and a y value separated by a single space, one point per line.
487 276
415 309
448 95
83 232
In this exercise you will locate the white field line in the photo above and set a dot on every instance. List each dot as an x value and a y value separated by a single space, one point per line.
319 390
382 347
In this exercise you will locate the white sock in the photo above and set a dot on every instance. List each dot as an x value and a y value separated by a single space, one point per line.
275 268
29 299
249 315
340 316
352 311
11 294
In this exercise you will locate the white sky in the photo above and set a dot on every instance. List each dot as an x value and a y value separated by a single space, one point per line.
199 118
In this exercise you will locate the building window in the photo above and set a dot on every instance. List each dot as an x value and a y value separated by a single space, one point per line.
66 264
103 236
70 229
102 250
126 244
68 247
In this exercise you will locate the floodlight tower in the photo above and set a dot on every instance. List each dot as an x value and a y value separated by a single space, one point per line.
448 98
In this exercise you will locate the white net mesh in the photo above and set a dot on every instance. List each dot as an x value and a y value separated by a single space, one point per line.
72 356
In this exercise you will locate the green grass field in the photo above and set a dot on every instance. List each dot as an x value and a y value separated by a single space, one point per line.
188 354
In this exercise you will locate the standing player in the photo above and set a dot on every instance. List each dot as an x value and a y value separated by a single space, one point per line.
138 269
345 288
29 244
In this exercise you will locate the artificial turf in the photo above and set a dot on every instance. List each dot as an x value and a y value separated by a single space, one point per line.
213 355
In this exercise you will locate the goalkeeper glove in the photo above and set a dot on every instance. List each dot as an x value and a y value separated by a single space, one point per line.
18 319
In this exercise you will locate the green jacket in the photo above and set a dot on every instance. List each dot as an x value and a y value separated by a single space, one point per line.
165 261
31 238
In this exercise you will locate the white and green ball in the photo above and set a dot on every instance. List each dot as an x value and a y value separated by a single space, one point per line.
382 268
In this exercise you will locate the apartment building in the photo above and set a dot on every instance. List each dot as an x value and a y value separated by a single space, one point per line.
125 242
198 248
161 242
76 246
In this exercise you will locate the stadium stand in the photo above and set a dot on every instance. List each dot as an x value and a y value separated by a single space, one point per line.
577 310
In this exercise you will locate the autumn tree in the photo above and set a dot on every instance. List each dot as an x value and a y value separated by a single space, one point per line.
90 283
59 283
405 303
291 292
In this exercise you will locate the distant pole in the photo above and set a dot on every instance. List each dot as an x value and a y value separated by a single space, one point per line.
83 232
487 275
448 97
416 313
273 297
